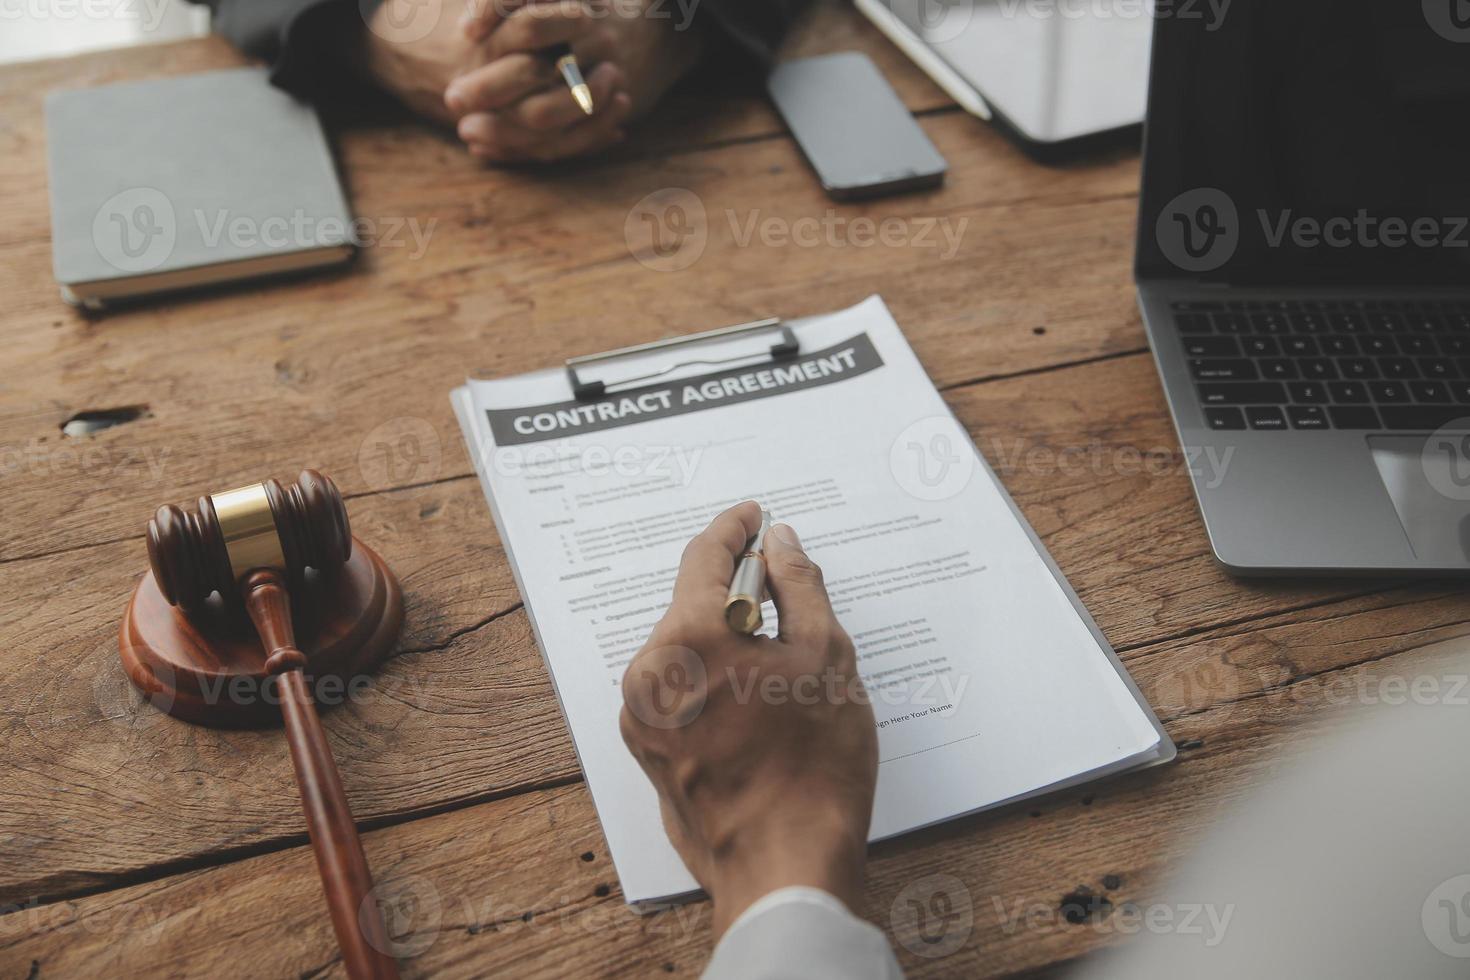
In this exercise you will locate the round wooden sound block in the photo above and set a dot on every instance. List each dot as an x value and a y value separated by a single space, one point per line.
209 668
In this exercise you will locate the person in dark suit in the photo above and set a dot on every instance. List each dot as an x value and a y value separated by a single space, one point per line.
477 65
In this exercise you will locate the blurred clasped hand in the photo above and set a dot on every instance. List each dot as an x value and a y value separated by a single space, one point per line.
763 751
486 73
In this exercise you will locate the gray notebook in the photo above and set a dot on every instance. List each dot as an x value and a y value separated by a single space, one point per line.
182 182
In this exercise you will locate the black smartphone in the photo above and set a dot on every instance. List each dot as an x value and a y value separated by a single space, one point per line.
848 121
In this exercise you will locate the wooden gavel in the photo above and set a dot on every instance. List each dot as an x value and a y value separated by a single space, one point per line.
253 546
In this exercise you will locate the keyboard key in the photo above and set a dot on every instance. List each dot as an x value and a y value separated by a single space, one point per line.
1308 417
1348 322
1386 322
1438 368
1265 417
1242 393
1340 346
1207 346
1425 322
1317 368
1308 322
1197 304
1268 323
1349 392
1419 346
1192 323
1358 368
1300 346
1461 390
1223 369
1307 392
1454 344
1278 369
1389 391
1224 418
1353 417
1397 367
1268 346
1423 416
1430 391
1380 345
1230 323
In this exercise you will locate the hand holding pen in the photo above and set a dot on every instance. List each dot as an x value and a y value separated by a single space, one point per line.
759 790
522 103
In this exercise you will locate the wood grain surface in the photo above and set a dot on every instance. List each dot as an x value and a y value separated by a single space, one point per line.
132 844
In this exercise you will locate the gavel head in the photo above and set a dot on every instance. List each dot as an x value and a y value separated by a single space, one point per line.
264 525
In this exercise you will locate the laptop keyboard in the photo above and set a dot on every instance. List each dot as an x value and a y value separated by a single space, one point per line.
1318 364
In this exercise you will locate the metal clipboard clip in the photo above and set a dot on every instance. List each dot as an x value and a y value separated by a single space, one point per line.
783 349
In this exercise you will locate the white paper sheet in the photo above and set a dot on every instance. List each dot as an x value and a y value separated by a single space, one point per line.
989 681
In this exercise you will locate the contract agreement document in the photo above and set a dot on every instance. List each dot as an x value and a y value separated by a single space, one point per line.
989 681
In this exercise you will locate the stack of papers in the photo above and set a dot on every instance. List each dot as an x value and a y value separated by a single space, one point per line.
989 681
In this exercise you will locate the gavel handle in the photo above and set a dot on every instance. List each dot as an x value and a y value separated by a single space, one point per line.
356 919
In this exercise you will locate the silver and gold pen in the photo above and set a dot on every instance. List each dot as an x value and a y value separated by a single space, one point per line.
743 604
571 73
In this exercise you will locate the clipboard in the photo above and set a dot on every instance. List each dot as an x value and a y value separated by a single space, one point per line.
593 548
785 348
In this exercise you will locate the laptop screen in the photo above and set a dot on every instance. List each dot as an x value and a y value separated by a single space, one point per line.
1308 141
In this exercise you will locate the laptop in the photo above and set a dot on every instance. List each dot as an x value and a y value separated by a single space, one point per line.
1303 269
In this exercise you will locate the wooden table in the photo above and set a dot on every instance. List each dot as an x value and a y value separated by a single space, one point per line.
133 844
